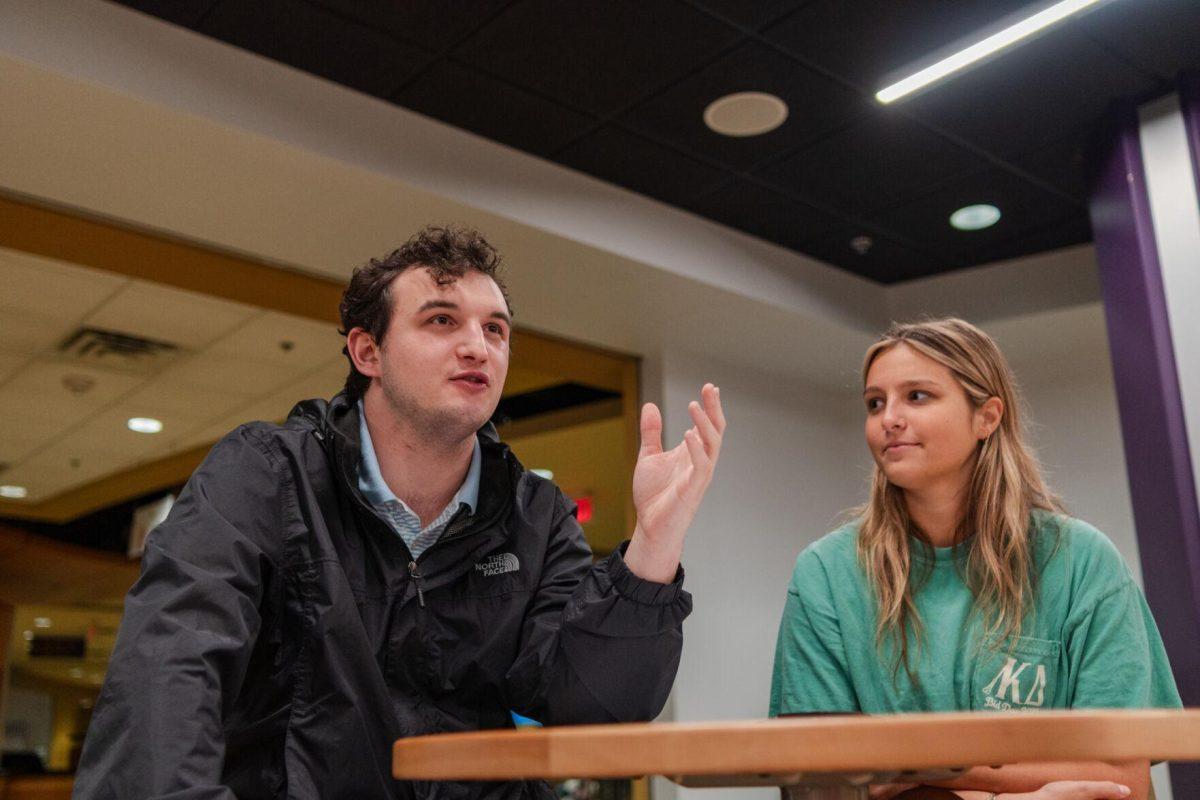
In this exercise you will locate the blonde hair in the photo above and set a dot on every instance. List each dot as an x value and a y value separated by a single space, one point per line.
1006 485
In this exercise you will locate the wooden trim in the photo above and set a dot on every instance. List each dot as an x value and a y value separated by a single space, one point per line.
801 745
122 250
631 410
36 569
579 363
37 787
6 628
566 418
106 491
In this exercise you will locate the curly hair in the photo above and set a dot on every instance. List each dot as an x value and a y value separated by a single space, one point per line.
446 252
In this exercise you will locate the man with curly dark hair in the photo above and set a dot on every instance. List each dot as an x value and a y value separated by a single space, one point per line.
382 566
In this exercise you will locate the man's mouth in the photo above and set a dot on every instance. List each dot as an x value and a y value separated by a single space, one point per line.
473 378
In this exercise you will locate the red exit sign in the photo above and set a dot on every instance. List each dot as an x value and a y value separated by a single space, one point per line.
584 514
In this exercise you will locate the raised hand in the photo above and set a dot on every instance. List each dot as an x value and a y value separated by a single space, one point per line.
669 485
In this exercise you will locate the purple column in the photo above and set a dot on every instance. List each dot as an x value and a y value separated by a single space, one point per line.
1189 103
1148 396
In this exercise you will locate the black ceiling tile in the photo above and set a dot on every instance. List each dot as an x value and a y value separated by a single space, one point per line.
750 15
464 97
765 214
312 39
433 25
629 160
1071 230
883 260
865 41
187 13
926 219
599 57
1031 96
872 164
815 104
1059 163
1160 36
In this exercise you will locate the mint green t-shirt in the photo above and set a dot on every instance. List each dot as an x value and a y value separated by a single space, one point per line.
1090 643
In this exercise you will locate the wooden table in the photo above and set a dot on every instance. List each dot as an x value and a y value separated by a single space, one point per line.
825 757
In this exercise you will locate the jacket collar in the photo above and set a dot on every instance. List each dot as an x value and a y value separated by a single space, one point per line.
336 423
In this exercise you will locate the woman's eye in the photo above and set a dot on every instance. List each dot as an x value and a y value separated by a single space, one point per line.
918 396
874 404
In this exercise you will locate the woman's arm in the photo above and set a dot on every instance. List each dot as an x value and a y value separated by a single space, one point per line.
1022 778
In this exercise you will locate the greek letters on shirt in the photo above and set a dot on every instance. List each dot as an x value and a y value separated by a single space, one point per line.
1006 692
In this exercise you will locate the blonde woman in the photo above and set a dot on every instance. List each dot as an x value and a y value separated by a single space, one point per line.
961 585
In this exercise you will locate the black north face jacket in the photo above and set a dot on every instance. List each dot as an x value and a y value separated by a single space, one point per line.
281 637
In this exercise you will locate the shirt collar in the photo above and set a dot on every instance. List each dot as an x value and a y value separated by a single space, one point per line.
373 487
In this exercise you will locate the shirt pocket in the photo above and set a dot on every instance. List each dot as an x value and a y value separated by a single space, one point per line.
1022 676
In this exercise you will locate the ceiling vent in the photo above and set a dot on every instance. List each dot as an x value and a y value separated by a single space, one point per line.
112 350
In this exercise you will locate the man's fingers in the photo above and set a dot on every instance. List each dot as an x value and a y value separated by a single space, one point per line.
701 463
711 395
706 429
651 426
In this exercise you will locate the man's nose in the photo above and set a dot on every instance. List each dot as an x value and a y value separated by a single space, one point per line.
471 345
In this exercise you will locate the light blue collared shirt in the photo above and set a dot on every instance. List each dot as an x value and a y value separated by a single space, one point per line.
393 509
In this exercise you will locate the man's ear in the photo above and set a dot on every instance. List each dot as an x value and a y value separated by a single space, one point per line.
988 417
364 352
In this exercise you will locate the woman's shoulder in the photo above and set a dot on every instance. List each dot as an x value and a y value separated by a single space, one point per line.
832 553
1076 545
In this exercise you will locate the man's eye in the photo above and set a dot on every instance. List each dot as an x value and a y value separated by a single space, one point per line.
496 329
440 319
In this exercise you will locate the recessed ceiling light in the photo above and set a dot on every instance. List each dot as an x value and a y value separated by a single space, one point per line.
144 424
41 622
28 635
861 244
543 473
983 48
975 218
13 492
745 114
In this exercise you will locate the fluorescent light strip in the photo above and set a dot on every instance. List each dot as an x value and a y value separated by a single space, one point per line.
982 49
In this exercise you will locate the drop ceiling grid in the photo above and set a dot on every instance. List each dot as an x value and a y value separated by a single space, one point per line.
55 440
617 91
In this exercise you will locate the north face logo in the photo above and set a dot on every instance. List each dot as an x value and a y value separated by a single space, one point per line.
498 564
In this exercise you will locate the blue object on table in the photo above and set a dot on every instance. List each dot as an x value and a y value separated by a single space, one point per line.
523 722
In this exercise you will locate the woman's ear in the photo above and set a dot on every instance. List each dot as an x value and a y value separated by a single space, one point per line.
988 416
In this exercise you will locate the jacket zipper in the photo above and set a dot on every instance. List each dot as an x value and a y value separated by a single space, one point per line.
415 572
451 531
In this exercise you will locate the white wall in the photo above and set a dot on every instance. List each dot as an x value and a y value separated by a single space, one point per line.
793 460
1062 362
